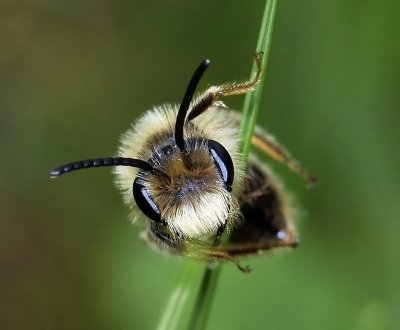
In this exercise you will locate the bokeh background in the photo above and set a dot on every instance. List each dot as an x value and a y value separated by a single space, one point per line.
74 75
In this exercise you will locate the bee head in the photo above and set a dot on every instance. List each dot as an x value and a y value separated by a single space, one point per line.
193 197
186 181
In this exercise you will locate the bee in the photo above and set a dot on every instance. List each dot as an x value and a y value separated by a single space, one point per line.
181 172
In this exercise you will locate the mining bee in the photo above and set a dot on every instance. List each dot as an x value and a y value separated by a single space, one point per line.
181 172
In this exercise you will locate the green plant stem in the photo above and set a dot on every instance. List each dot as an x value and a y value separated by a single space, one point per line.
252 100
205 296
174 317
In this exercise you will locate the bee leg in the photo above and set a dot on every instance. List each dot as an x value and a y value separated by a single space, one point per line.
223 256
269 146
160 237
213 93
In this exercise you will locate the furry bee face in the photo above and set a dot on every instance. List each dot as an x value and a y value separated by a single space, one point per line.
180 170
197 180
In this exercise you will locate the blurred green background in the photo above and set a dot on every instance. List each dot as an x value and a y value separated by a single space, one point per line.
74 75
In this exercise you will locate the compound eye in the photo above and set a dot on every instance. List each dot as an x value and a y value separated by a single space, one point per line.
223 162
145 202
